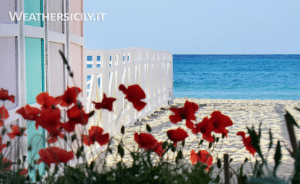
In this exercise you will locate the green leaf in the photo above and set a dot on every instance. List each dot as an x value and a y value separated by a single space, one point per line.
183 142
289 118
29 147
148 128
246 160
271 140
241 171
277 157
8 143
121 150
230 160
219 163
254 140
217 139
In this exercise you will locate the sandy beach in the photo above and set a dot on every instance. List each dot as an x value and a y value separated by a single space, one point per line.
242 112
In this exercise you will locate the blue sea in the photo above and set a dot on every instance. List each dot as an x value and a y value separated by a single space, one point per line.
262 77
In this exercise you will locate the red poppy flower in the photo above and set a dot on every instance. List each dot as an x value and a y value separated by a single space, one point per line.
49 119
134 94
205 127
3 115
96 134
29 113
202 156
7 163
177 135
146 141
107 103
69 97
16 131
55 155
53 135
186 112
76 115
220 122
247 142
4 96
2 146
23 172
158 149
45 100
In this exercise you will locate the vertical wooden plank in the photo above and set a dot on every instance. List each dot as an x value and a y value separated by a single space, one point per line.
118 94
104 88
7 6
142 76
34 85
56 69
132 59
8 68
77 64
55 6
33 6
76 6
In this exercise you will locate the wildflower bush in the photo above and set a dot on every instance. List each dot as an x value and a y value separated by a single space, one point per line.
198 168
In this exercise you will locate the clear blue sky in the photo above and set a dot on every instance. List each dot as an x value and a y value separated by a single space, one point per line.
196 26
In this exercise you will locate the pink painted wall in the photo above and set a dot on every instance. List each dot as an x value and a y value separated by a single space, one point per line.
76 27
56 69
8 68
77 64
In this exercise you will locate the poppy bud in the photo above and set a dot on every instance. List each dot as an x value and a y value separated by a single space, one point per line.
122 129
148 128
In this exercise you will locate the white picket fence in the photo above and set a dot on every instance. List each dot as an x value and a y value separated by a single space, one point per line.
151 69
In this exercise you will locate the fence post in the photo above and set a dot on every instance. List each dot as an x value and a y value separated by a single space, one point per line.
226 168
